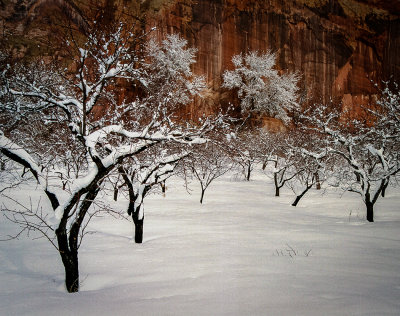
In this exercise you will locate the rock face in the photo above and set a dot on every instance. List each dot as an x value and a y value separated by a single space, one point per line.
338 46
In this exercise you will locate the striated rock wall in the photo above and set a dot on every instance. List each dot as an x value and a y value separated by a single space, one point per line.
338 46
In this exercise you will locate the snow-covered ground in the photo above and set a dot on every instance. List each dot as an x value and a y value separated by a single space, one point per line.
243 252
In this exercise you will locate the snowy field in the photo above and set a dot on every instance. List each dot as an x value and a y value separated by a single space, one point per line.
243 252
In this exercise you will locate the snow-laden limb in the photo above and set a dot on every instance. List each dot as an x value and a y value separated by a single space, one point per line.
76 95
9 148
79 186
381 156
316 155
311 163
21 156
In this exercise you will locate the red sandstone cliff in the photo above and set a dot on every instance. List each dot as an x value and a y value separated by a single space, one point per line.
337 45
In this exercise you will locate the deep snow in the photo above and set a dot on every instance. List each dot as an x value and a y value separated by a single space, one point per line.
230 256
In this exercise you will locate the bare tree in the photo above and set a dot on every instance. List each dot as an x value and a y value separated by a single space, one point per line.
311 168
169 82
367 152
244 149
267 146
144 174
281 153
206 164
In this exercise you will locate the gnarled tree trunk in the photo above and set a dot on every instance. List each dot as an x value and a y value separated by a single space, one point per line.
68 242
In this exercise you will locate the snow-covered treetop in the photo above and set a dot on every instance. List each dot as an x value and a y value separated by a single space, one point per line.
261 88
172 57
169 78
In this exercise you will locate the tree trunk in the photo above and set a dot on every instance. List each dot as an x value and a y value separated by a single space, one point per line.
68 245
317 182
163 187
383 192
138 222
370 207
202 195
115 194
298 198
264 165
70 260
248 172
370 211
134 212
138 230
276 184
71 272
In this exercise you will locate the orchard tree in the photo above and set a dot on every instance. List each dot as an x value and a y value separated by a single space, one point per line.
260 87
243 148
81 102
293 164
311 167
143 175
206 164
266 146
278 149
367 151
169 86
